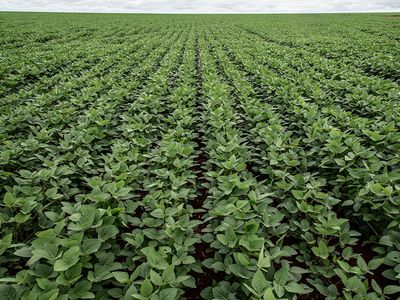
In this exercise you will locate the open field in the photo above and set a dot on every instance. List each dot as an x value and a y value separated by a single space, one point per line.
168 156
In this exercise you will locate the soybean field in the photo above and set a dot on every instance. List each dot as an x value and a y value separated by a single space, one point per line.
209 157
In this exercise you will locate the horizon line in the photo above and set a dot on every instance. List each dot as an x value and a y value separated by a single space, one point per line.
205 13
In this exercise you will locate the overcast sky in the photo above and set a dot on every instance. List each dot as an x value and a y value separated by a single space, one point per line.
200 6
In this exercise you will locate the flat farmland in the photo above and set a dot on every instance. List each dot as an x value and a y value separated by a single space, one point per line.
199 156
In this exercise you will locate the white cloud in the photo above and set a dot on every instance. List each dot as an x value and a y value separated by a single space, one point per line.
203 6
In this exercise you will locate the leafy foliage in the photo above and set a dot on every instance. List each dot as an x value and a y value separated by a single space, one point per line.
164 157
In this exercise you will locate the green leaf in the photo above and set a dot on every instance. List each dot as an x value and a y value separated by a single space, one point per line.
259 283
52 193
155 278
242 259
43 283
391 289
107 232
146 288
296 288
98 196
269 295
9 199
263 261
272 219
8 293
344 265
394 256
299 195
51 295
355 284
158 213
5 243
376 188
361 263
69 258
376 287
347 252
322 250
121 277
81 290
168 274
169 293
374 264
282 275
22 218
298 270
188 260
154 258
90 246
8 279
